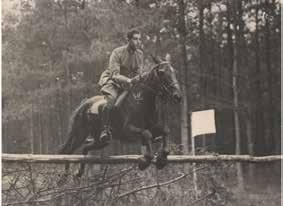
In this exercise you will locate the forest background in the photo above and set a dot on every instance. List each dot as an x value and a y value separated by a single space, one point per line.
226 53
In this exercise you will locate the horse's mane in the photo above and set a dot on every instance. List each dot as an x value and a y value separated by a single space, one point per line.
148 73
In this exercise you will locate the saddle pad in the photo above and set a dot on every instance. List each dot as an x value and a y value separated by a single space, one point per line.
97 100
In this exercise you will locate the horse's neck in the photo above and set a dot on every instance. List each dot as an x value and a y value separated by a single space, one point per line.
148 90
139 107
149 99
149 80
140 110
146 96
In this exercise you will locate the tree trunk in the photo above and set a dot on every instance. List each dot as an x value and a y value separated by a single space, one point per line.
235 61
52 126
68 78
236 118
4 138
269 136
185 134
250 140
32 136
49 130
40 134
201 52
248 94
249 133
59 116
259 126
220 85
202 56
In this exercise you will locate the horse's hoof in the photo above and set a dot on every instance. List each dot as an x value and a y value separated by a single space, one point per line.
161 159
78 175
77 178
161 163
144 162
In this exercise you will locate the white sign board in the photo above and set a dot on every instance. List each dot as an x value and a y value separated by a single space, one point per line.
203 122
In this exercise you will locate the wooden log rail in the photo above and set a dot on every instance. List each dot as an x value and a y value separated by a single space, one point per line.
60 159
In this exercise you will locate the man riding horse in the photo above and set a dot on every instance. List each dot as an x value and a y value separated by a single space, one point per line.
124 64
136 120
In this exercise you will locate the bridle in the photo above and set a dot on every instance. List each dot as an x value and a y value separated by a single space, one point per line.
162 87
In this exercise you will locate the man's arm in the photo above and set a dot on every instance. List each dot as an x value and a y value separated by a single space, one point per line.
114 67
141 62
114 63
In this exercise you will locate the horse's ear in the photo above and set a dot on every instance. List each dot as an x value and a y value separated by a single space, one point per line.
159 59
156 59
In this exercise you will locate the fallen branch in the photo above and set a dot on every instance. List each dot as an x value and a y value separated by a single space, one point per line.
60 159
151 186
183 175
33 201
202 198
42 196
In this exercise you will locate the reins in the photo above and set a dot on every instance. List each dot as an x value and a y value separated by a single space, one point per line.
161 89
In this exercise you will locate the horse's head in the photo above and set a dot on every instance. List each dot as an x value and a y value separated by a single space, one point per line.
166 81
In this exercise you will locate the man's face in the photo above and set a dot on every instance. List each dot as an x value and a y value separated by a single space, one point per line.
135 42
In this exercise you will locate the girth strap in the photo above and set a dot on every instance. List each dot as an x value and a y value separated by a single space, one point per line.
121 98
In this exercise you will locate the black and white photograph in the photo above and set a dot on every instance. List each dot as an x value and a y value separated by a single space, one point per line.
141 102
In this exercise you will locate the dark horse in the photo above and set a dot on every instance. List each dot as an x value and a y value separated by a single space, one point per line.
135 119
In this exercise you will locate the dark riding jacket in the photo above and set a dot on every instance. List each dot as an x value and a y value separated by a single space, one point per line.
123 61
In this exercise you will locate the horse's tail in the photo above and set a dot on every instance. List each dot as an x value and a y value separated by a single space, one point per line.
78 114
77 124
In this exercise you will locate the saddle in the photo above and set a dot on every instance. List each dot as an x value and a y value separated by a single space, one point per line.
136 94
99 100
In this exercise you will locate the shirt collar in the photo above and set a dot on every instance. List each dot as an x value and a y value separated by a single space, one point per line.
130 50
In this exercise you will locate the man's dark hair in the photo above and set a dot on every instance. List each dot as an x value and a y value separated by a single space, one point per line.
131 33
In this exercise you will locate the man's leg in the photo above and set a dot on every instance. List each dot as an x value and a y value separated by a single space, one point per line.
106 135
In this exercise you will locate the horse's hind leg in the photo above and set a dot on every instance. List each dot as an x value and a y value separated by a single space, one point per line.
81 171
93 145
77 136
68 148
86 150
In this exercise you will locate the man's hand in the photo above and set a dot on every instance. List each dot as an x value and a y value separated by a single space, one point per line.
135 80
129 81
123 80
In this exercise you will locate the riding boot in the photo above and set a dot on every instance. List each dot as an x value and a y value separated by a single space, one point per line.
105 135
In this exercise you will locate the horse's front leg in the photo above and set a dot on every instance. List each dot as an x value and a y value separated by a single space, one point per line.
148 156
146 139
165 138
161 159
